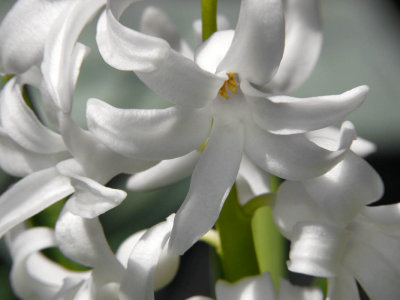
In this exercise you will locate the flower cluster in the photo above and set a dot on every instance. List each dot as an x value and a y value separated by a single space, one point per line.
231 126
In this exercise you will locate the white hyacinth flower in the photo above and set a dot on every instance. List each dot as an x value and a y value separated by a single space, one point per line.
139 266
220 95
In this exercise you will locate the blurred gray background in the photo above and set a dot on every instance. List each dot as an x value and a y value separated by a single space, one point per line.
361 46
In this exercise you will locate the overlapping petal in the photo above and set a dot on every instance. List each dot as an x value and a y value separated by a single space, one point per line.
293 157
149 133
166 172
289 115
287 291
342 191
24 31
257 46
127 49
137 283
31 195
303 43
83 241
211 182
23 126
62 59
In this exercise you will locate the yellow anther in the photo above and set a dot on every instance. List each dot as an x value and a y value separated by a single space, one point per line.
231 83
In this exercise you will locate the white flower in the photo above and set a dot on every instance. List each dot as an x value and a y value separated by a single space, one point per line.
128 274
260 287
268 129
56 164
335 235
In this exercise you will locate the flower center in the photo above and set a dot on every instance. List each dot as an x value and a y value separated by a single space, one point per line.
231 83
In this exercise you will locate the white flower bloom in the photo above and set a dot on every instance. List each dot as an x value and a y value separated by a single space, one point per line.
56 164
127 275
261 288
24 31
335 235
244 120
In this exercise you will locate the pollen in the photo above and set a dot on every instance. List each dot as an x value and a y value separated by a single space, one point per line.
231 83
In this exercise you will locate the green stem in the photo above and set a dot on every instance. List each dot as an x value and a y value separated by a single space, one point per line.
238 254
208 17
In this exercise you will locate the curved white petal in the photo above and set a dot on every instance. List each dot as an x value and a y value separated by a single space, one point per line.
92 199
303 43
251 181
19 162
197 26
294 205
44 283
360 146
31 195
346 188
287 291
210 53
24 30
317 249
23 126
164 173
83 241
182 82
127 49
255 287
137 283
293 157
62 57
149 133
99 162
257 47
156 23
343 286
211 182
289 115
382 283
386 215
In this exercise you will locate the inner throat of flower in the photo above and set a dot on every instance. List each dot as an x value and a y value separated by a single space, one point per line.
231 83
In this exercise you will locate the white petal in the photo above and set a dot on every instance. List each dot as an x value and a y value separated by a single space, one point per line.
294 205
360 146
317 249
289 115
257 47
164 173
291 157
346 188
124 48
19 162
255 287
23 126
287 291
100 163
182 82
343 286
92 199
152 133
62 59
31 195
222 24
251 181
388 215
210 53
137 283
383 282
156 23
24 30
211 182
303 43
199 298
83 241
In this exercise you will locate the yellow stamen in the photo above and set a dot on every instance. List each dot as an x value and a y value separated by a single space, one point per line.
231 83
203 146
